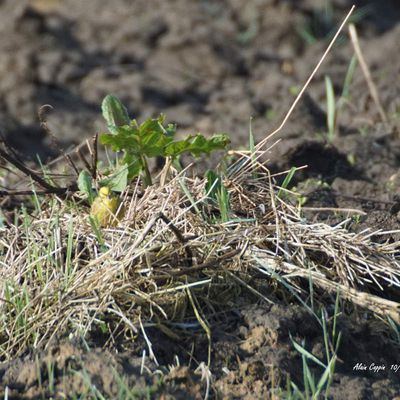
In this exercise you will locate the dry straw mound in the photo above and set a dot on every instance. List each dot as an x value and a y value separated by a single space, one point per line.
168 263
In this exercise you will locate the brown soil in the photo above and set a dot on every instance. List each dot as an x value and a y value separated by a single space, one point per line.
251 354
209 66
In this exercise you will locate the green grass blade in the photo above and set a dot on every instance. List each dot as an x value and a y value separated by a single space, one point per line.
348 78
324 380
306 353
190 197
286 181
330 108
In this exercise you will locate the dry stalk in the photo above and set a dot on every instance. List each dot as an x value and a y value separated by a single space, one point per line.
367 74
245 162
380 306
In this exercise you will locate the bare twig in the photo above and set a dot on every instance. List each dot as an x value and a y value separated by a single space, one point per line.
333 209
200 267
43 124
58 191
27 171
361 198
367 74
83 159
245 166
94 155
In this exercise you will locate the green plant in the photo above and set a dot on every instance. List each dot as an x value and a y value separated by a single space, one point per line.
320 24
286 182
334 106
47 387
395 330
312 388
150 139
356 219
250 33
345 96
217 192
331 113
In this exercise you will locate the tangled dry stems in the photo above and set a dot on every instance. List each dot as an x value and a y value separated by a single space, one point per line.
168 263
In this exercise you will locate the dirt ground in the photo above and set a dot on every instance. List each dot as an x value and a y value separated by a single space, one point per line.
210 66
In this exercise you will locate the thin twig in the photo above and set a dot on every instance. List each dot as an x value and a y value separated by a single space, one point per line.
43 124
367 74
179 236
72 151
297 99
58 191
361 198
215 261
333 209
27 171
304 88
83 159
94 155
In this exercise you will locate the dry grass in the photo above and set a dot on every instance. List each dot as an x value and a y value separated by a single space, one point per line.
168 263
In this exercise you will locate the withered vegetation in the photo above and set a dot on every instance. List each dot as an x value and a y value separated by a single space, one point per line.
170 263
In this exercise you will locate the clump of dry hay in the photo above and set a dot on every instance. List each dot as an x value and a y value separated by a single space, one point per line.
167 262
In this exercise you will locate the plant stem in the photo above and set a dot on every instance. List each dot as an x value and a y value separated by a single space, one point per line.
165 171
147 176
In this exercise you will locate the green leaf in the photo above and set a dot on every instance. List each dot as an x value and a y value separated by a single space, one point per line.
219 142
114 112
125 138
197 145
152 125
330 109
216 191
306 353
85 184
118 181
170 130
286 182
213 184
328 373
135 165
149 139
176 148
154 144
348 78
202 145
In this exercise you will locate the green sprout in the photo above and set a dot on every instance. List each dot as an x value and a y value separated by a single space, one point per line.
286 182
330 109
150 139
334 106
217 193
313 388
345 97
320 24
